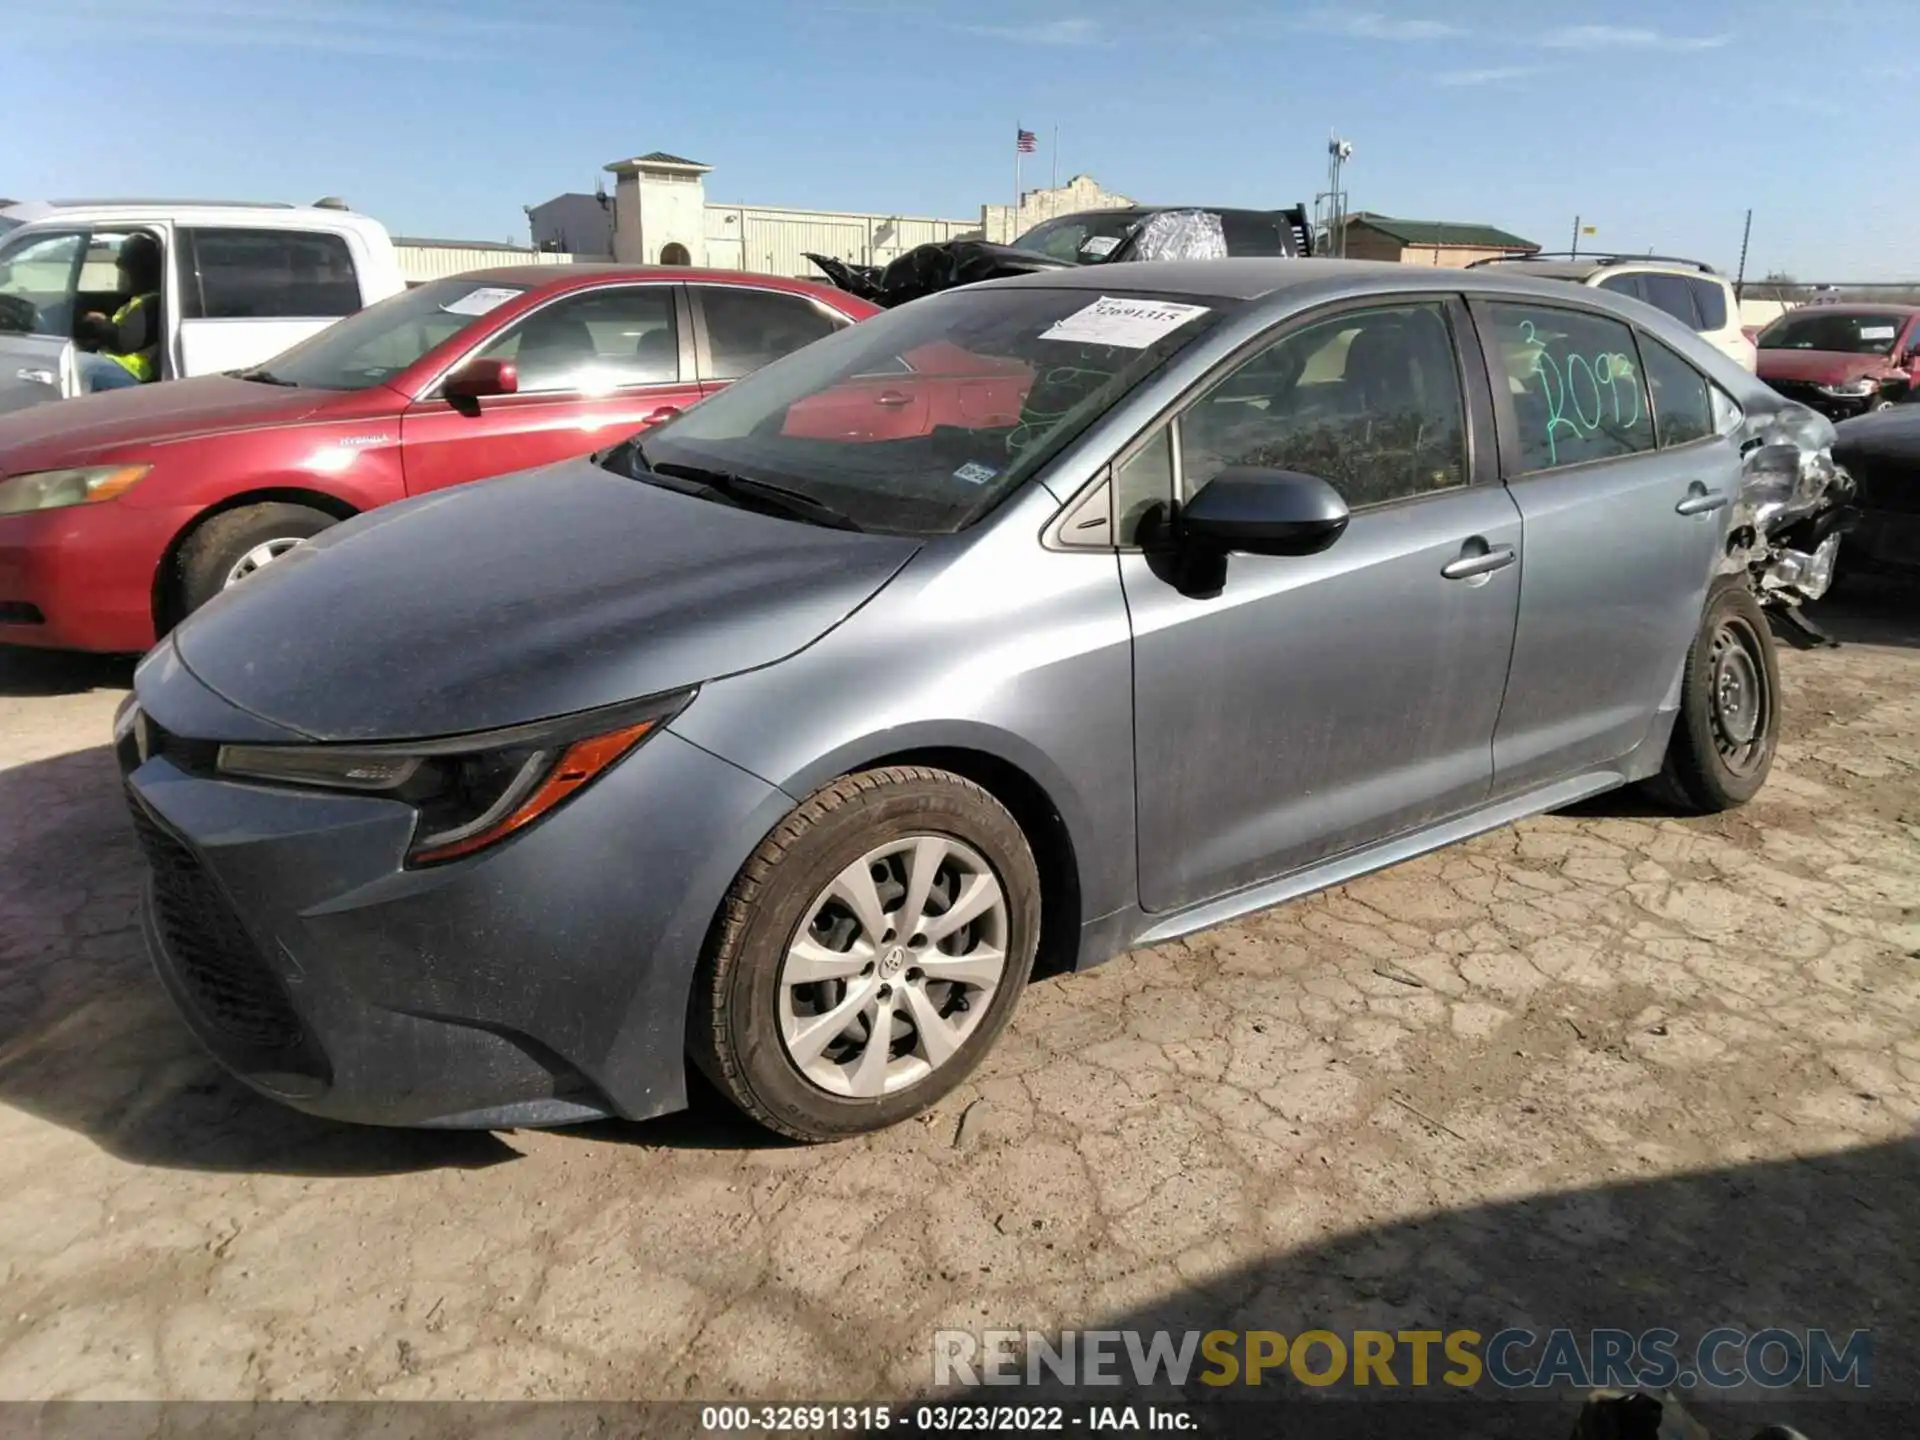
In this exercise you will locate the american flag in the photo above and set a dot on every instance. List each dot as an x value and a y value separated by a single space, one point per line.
1025 141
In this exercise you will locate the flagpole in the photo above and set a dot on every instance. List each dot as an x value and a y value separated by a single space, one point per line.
1013 221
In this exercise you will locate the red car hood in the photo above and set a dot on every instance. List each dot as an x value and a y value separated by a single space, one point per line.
59 430
1821 367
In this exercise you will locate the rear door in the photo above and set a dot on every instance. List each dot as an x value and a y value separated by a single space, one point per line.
1318 703
594 367
739 328
247 293
39 280
1621 535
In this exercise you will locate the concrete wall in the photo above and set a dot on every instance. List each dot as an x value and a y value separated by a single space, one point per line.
770 240
1002 223
577 225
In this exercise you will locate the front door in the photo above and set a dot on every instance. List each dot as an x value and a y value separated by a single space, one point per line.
593 368
1318 703
39 279
1623 525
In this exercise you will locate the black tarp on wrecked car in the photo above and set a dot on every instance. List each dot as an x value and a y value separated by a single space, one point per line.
1094 237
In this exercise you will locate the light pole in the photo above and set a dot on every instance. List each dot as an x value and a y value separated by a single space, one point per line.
1338 153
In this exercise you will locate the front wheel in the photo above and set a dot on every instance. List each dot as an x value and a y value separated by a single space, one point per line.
868 955
234 545
1729 723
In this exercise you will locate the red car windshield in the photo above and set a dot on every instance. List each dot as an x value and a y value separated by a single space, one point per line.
921 419
1839 334
373 345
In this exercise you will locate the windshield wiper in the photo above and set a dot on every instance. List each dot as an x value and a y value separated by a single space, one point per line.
260 375
748 493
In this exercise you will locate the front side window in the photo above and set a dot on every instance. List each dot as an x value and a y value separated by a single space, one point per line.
1673 294
1682 402
1573 381
1002 378
595 343
374 345
38 275
1369 401
1144 481
747 329
267 275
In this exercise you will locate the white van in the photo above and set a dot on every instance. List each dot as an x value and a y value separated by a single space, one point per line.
242 283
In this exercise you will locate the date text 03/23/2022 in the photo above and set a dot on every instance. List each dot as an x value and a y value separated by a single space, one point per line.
942 1418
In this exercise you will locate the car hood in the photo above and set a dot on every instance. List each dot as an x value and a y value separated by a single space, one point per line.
1888 440
1820 367
175 410
522 598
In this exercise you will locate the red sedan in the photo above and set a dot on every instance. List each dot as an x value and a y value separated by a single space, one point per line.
122 512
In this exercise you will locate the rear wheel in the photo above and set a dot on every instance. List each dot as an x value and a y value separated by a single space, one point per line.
235 545
868 954
1729 722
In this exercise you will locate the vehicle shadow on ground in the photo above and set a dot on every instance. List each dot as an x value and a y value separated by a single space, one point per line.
90 1041
1813 1242
54 672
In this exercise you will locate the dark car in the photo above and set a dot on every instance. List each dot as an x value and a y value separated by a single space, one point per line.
1134 232
1843 360
1882 454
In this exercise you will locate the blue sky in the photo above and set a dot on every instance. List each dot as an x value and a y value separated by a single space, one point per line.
1658 123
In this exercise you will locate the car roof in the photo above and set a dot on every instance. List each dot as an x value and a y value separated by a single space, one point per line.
589 272
1622 265
1256 278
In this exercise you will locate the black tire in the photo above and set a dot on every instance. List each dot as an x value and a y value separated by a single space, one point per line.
734 1031
212 551
1709 766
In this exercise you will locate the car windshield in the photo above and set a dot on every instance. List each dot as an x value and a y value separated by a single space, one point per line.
377 343
1078 238
1837 333
921 419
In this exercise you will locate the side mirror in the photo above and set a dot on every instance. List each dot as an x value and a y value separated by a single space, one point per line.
481 379
1264 512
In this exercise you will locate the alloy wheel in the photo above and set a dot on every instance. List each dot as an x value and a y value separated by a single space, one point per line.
893 966
265 553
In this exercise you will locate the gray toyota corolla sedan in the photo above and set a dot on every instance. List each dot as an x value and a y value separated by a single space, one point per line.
1028 622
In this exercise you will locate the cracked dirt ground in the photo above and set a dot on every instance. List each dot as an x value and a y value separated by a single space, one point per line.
1607 1067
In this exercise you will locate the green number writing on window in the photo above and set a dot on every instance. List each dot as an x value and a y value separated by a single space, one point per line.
1583 394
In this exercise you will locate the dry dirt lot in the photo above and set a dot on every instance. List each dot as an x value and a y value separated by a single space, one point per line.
1605 1068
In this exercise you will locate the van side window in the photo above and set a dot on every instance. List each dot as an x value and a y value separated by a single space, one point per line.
266 275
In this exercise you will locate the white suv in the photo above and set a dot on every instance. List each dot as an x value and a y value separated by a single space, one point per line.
1696 295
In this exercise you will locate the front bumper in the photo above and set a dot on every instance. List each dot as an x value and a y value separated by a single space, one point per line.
81 577
541 982
1834 407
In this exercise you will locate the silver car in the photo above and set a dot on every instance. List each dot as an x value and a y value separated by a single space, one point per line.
1023 624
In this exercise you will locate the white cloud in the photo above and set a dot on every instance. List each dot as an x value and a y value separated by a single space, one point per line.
1492 75
1043 32
1626 37
1372 25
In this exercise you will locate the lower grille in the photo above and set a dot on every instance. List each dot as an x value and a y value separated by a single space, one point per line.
216 960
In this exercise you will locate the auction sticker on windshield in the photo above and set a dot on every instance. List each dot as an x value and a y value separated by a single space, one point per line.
1130 324
1876 332
479 302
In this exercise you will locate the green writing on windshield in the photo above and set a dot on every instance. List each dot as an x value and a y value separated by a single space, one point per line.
1584 393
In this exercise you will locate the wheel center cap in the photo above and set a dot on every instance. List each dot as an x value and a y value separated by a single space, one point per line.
893 961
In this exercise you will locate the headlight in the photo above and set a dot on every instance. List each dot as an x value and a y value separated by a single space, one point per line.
471 791
1850 389
54 489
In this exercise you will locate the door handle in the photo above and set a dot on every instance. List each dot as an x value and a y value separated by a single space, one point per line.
660 416
1700 502
36 377
892 399
1480 562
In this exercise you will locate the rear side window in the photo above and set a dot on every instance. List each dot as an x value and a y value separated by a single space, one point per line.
267 275
1673 294
1682 401
1624 285
1574 384
750 328
1710 298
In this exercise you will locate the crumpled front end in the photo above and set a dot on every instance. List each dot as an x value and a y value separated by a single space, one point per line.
1795 503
